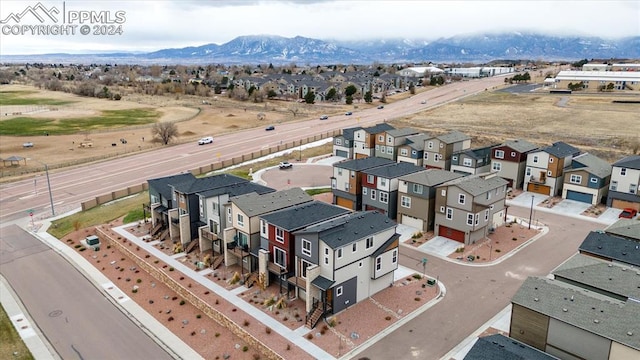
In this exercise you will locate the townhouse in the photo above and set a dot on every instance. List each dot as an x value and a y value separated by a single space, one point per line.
472 161
412 151
545 169
161 198
416 197
387 142
346 182
344 261
470 207
509 161
587 180
624 190
343 144
439 149
365 140
380 187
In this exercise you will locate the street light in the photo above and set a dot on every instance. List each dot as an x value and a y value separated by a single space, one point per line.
531 212
46 170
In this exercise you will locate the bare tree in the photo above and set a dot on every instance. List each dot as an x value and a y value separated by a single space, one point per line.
164 131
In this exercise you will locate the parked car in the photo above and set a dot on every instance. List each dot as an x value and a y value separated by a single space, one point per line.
348 113
381 107
269 128
285 165
324 117
205 140
628 213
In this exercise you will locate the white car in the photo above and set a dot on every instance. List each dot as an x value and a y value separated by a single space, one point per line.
285 165
205 140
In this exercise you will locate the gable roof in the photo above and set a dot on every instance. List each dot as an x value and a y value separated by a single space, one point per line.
501 347
377 128
237 189
417 141
363 164
452 137
402 132
585 309
393 170
297 217
477 153
520 145
631 162
431 177
627 228
476 184
592 164
348 133
351 228
612 247
561 149
162 184
255 204
207 183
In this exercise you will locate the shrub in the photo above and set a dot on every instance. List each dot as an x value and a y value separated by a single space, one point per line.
332 322
256 356
198 316
288 346
387 318
245 348
498 250
170 318
514 238
417 276
310 336
216 334
246 323
77 246
156 261
267 330
193 333
182 302
171 268
134 291
138 281
416 299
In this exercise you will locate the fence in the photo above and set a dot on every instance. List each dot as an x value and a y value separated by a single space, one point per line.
105 198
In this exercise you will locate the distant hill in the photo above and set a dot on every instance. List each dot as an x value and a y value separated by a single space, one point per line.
261 49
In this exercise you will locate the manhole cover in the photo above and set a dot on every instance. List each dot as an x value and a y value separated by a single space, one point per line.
55 313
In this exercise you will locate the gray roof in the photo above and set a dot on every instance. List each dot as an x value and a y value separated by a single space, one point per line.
498 346
611 277
452 137
431 177
378 128
628 228
254 204
348 133
561 149
237 189
402 132
476 185
592 164
587 310
161 185
297 217
417 141
348 229
207 183
477 153
363 164
393 170
612 247
631 162
521 146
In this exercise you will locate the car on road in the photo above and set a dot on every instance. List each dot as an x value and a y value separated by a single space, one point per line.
324 117
628 213
380 106
348 113
285 165
423 102
269 128
27 145
206 140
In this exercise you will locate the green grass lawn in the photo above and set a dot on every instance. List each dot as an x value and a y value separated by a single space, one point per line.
22 126
16 98
11 345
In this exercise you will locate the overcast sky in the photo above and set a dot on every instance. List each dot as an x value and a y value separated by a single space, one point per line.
159 24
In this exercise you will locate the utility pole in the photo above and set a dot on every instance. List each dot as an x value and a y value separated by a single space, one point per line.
531 212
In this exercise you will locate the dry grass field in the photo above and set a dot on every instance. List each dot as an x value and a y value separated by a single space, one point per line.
591 122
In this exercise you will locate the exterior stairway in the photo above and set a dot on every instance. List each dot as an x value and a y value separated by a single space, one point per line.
314 316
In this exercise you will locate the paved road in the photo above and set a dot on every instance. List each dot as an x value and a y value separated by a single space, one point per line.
72 186
476 294
78 321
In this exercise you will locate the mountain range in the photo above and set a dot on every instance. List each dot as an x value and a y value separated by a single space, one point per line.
278 50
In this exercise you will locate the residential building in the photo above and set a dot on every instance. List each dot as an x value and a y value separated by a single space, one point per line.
439 149
343 144
587 180
612 248
387 142
468 208
344 261
624 189
545 169
346 182
626 228
277 241
364 139
509 161
380 187
161 197
242 239
412 151
472 161
498 346
416 197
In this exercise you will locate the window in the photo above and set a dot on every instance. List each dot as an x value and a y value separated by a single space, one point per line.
441 145
378 263
594 180
390 150
413 152
430 145
340 253
491 206
373 194
338 141
405 201
469 219
467 162
346 186
417 188
306 247
614 185
353 174
381 138
243 239
426 156
454 157
436 157
632 188
442 209
279 235
513 154
383 149
339 171
369 243
360 264
499 154
394 256
370 179
489 195
496 166
404 152
354 247
443 192
263 228
486 215
384 197
477 219
303 268
173 196
449 214
377 147
280 257
229 215
383 182
575 179
623 171
240 220
549 173
364 191
389 140
461 198
339 291
535 159
528 173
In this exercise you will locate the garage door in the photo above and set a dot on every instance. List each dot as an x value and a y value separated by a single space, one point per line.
579 196
345 203
539 189
452 234
621 204
342 153
413 222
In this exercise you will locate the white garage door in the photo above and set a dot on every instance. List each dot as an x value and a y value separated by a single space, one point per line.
413 222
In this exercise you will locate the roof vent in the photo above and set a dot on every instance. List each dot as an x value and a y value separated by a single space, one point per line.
564 309
629 333
571 297
610 265
624 269
535 299
596 321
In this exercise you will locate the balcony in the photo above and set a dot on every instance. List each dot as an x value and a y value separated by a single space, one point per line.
238 251
298 281
275 268
538 179
208 235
